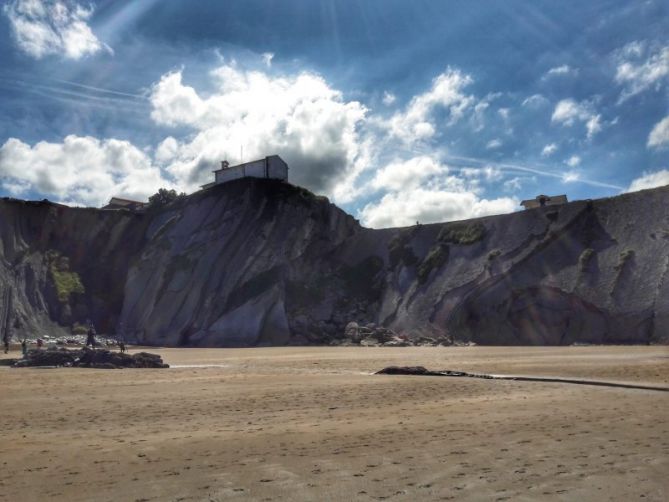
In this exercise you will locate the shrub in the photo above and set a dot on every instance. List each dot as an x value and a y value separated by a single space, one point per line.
462 233
436 258
625 257
65 281
585 258
164 197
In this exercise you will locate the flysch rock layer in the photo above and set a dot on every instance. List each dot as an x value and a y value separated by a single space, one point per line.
259 262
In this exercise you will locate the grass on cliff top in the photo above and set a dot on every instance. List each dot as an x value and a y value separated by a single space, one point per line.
65 281
462 233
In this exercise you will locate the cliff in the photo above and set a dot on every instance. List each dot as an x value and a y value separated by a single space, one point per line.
258 262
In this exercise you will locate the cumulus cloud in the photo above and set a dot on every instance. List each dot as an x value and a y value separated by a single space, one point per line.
399 175
80 170
567 112
573 161
431 205
571 177
52 27
640 68
417 121
423 189
650 180
299 117
659 136
549 150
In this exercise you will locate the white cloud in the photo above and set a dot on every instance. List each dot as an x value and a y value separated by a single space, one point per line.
568 111
80 170
593 125
299 117
535 101
561 71
422 189
388 98
659 136
549 150
167 150
636 74
399 175
417 122
573 161
431 205
176 104
267 58
493 143
650 180
512 185
52 27
487 173
571 177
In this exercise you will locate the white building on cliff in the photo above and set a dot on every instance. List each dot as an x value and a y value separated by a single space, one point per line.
272 167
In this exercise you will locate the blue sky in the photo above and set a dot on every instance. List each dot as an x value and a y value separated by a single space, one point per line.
398 111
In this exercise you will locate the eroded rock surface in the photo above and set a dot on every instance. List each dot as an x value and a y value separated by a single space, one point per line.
257 262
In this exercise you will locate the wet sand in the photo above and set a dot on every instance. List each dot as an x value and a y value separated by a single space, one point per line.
314 424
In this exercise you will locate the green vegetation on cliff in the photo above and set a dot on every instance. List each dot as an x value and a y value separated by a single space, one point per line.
462 233
65 281
435 259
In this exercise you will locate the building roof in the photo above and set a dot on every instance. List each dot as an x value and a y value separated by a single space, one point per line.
118 202
226 165
548 200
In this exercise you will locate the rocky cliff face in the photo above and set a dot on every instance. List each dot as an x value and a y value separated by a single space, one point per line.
258 262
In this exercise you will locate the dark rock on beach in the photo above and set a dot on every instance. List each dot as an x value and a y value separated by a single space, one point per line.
90 358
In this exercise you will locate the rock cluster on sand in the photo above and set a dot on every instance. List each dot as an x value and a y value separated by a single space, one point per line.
372 335
90 358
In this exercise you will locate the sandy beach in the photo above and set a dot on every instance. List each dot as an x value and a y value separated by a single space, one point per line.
315 424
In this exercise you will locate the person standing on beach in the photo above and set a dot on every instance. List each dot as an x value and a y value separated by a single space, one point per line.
120 338
6 342
24 347
90 338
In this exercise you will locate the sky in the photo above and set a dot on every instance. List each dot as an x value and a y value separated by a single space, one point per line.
400 112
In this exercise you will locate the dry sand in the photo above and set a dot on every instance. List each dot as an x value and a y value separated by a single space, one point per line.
314 424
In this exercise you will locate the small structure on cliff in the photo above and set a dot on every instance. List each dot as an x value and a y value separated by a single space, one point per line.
119 203
544 200
271 167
